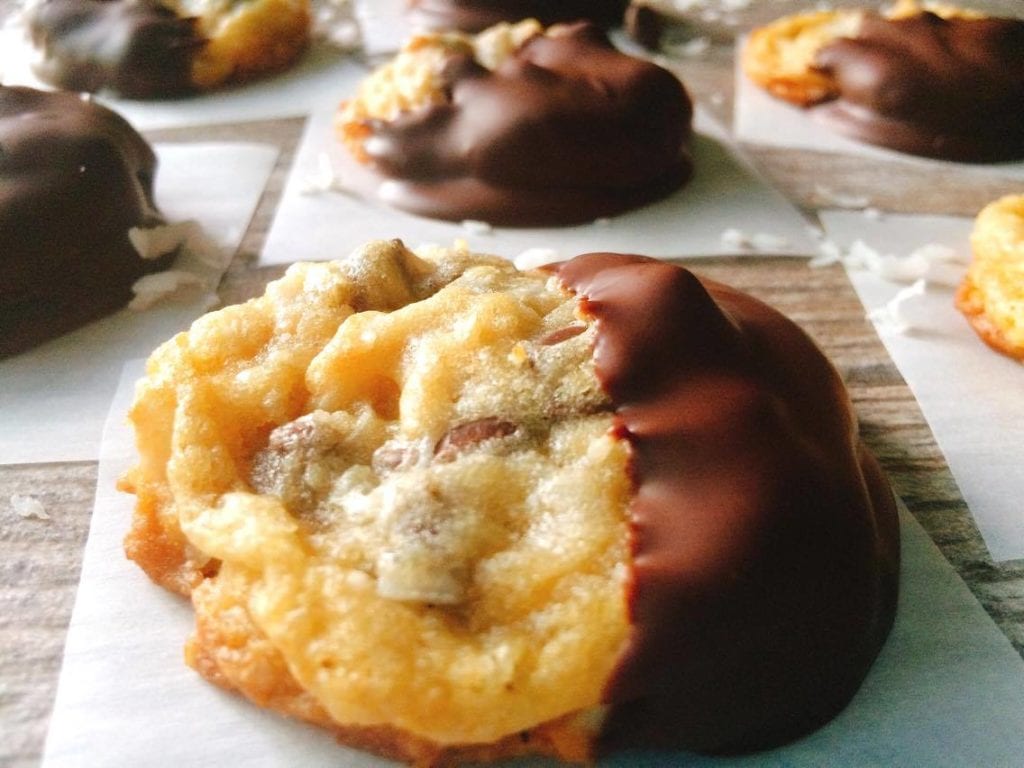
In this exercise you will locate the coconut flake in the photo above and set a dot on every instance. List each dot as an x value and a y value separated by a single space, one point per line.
28 507
474 227
150 289
326 178
832 198
734 238
335 21
153 242
762 242
893 317
768 243
532 258
829 253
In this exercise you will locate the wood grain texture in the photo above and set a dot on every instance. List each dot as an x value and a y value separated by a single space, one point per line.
40 560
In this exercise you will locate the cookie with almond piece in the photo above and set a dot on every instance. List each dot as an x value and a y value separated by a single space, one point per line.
454 512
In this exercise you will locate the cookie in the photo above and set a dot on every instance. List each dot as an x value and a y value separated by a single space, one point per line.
148 49
517 126
453 511
477 15
992 293
75 178
931 80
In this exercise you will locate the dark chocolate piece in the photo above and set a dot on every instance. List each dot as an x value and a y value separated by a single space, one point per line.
765 537
74 178
565 131
943 88
136 48
476 15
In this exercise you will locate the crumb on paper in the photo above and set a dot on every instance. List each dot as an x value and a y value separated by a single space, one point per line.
335 21
602 222
200 263
836 199
717 99
762 242
29 507
326 178
153 242
873 214
893 317
532 258
474 227
150 289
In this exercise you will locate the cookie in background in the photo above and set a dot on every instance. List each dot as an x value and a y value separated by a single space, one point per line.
152 49
519 125
926 79
992 293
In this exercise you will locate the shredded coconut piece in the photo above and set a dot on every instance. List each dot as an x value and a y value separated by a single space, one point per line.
717 99
335 21
761 241
154 242
829 253
769 243
893 316
149 289
836 199
873 214
734 238
200 263
29 507
934 263
532 258
603 222
326 178
475 227
688 49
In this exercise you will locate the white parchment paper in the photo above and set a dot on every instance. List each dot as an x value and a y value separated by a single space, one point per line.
947 689
762 119
970 395
384 25
723 194
308 85
54 398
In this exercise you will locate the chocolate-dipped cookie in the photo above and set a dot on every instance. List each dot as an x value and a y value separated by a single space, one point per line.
518 126
147 49
452 511
939 83
477 15
74 179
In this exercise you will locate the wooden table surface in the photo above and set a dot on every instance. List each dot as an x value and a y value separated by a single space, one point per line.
40 560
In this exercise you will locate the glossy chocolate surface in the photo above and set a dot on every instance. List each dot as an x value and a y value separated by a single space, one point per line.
139 49
765 538
74 177
476 15
565 131
943 88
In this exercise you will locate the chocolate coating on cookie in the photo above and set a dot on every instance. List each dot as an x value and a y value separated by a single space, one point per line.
765 538
565 131
74 178
945 88
476 15
137 49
